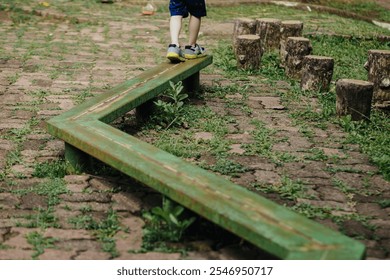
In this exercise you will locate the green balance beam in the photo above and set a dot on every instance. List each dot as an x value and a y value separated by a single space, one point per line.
269 226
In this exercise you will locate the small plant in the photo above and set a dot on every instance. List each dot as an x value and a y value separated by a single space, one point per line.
40 243
228 167
83 221
364 220
281 157
385 203
313 212
342 186
4 247
317 155
263 140
2 176
288 189
224 58
13 78
271 67
172 110
13 157
51 189
164 224
20 17
82 96
306 131
17 135
43 219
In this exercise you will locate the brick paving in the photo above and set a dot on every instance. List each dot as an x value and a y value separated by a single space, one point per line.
50 65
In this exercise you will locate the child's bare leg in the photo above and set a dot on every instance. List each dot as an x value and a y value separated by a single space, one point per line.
175 27
194 27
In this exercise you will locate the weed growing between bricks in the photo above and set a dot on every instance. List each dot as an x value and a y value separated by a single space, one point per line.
104 230
40 243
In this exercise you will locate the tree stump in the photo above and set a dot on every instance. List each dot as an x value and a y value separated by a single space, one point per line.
269 31
378 67
353 97
288 28
248 52
244 26
297 48
317 72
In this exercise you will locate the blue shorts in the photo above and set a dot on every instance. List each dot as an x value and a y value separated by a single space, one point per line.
197 8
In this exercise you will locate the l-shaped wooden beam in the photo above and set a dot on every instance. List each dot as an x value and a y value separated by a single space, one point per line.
270 226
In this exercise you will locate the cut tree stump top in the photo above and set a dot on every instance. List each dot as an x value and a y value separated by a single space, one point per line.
355 82
319 57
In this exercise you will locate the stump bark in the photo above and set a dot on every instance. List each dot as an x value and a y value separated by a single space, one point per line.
269 31
244 26
288 28
297 48
317 72
378 67
353 97
248 52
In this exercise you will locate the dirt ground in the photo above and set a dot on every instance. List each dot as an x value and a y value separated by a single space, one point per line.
39 83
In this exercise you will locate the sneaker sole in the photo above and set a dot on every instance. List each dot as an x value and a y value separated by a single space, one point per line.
193 56
174 57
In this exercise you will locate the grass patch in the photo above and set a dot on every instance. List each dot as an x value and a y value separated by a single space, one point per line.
385 203
54 169
43 218
349 54
373 138
312 212
263 140
227 167
182 143
288 189
82 96
183 146
314 21
51 191
316 155
365 8
104 230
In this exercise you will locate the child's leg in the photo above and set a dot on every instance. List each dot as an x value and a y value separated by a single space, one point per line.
175 28
174 53
194 27
193 50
